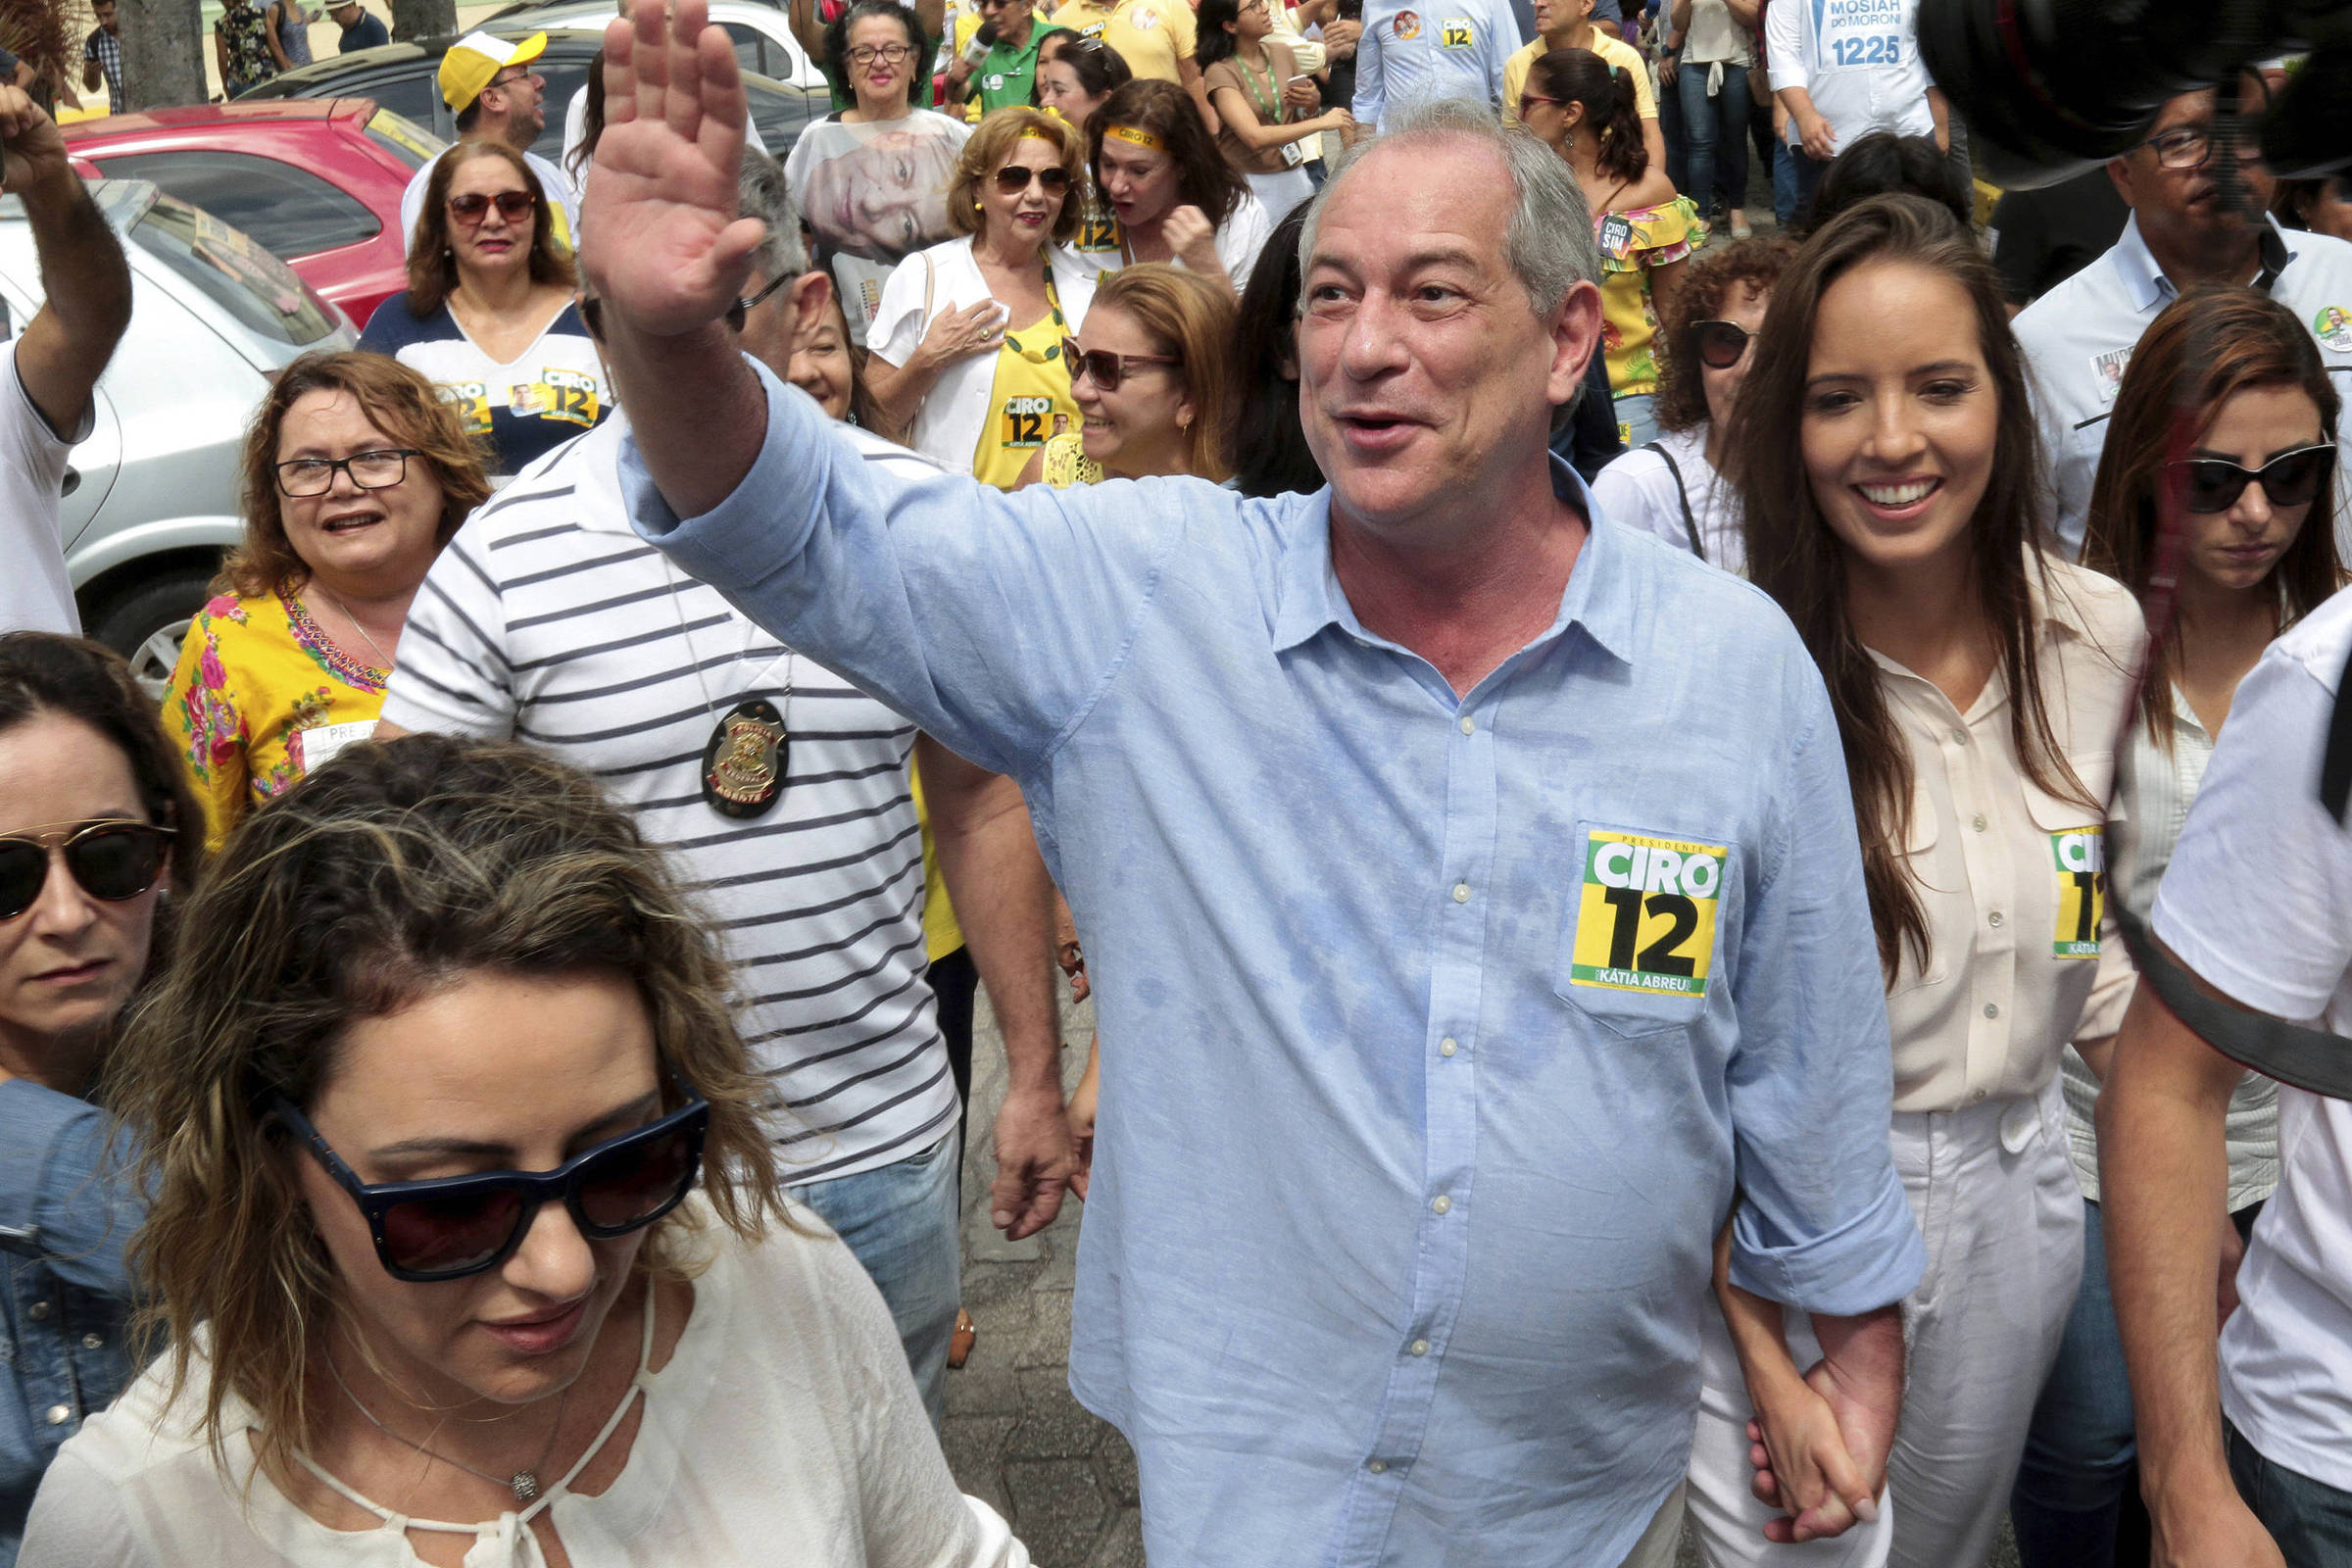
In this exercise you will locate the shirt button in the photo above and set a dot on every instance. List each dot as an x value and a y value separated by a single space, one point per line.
1419 1347
1469 725
1461 892
1960 737
1992 1009
59 1415
1440 1205
1447 1047
1994 918
1979 823
1379 1467
93 1342
39 1312
1977 1097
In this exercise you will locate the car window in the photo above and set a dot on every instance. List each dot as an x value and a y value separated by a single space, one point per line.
403 138
289 211
232 271
749 52
782 113
407 90
564 78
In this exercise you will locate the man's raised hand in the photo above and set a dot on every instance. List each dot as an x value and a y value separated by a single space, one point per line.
661 245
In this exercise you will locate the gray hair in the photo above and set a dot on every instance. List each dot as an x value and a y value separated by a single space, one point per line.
1548 244
760 192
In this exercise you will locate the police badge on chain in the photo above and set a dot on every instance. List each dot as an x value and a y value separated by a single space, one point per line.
744 767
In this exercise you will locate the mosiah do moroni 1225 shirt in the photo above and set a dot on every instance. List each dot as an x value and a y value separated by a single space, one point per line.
1437 1032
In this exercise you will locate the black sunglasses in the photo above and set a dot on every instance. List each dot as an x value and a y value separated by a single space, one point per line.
1720 344
452 1227
1104 367
114 860
1013 180
471 208
2289 480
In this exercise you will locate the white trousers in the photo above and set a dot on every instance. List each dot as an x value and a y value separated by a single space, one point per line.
1278 194
1993 1194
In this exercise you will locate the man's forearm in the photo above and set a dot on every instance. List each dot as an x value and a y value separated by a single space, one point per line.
696 411
83 270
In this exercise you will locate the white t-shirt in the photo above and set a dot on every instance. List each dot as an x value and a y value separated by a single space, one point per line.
1859 63
784 1430
1639 490
873 194
948 427
1239 240
35 595
557 183
2257 901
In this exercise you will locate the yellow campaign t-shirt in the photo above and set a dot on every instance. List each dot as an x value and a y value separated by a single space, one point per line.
1152 35
1616 51
942 935
1083 17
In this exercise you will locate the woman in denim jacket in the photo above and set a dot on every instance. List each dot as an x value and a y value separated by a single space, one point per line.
90 799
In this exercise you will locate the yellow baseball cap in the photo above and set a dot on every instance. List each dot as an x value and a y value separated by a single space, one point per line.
470 63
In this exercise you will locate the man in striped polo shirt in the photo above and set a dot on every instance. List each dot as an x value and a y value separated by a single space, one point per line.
782 790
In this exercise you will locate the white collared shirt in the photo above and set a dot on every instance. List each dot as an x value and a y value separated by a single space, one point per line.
1857 60
2079 335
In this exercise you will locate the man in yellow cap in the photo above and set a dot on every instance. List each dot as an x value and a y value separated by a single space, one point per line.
495 93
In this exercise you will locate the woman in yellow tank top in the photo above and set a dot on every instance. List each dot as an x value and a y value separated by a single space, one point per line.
966 343
1151 375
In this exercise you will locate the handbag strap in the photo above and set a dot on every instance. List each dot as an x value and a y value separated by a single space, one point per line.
1680 495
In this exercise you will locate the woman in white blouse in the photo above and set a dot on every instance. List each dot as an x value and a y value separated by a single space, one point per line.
966 344
1177 199
426 1095
2258 522
1884 452
1673 486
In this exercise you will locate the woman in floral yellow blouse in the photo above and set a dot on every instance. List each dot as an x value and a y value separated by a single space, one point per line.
356 473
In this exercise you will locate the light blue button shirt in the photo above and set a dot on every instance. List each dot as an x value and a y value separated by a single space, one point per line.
1399 1233
1418 51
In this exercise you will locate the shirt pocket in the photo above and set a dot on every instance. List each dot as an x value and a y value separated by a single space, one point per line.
1641 931
2071 843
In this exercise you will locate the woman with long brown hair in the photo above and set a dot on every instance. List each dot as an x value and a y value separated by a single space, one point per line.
356 473
2234 374
489 315
430 1302
1176 198
1890 479
1153 381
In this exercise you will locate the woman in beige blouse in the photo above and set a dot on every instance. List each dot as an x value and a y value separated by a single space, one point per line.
1886 462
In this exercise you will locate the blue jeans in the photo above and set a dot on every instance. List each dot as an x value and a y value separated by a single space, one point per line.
1794 174
2311 1521
901 1222
1715 130
2081 1456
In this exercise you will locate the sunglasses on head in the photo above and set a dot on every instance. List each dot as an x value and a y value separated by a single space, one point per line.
114 860
2289 480
1104 367
1013 180
1720 344
471 208
452 1227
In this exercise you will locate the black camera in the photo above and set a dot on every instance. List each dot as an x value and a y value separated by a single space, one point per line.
2054 86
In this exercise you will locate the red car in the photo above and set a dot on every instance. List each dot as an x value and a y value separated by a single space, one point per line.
314 181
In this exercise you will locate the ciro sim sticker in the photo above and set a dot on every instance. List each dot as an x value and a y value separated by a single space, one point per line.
2081 854
1646 918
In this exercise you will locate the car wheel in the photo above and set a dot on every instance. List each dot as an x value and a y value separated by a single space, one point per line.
147 624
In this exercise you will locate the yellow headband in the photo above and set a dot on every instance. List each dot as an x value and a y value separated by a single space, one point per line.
1140 138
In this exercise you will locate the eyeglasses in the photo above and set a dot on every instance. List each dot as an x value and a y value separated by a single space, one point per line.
380 469
736 313
2190 146
890 54
471 208
1720 344
115 861
508 81
2289 480
1013 180
1104 367
455 1226
1527 98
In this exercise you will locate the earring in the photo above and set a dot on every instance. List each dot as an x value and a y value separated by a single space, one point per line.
977 208
1567 141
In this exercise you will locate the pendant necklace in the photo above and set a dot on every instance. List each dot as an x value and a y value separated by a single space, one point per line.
525 1483
373 647
746 759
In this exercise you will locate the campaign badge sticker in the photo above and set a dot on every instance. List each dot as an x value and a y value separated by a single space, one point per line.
2079 854
1408 25
2107 371
1645 918
2333 326
1455 33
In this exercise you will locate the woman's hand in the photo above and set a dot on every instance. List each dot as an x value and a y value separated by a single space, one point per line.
1193 240
959 334
1299 93
1081 1113
1802 1461
1340 119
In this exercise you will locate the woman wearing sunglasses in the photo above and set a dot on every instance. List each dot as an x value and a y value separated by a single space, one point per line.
488 315
1151 374
2257 552
1890 483
427 1097
357 473
968 342
1671 486
90 803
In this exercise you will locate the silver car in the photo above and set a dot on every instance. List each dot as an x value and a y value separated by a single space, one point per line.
151 497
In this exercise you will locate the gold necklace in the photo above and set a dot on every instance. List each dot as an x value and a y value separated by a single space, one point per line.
523 1483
